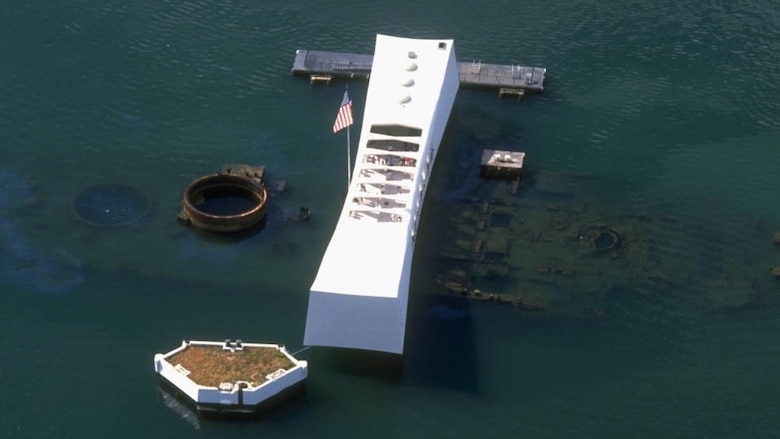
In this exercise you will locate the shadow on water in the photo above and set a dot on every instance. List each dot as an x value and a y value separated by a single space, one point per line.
378 366
440 349
440 345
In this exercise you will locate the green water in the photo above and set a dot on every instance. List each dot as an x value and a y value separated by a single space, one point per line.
661 117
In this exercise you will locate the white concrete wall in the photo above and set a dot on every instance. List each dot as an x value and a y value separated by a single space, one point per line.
359 298
270 388
432 144
212 395
362 322
167 371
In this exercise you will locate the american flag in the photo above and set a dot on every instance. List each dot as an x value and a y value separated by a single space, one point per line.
344 118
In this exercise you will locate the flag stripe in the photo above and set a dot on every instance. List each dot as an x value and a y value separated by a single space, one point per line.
344 118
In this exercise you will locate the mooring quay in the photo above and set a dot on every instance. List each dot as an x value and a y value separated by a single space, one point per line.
323 66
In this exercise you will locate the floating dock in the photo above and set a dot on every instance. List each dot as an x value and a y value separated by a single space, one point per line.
323 66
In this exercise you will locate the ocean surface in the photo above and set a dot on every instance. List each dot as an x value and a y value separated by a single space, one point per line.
659 121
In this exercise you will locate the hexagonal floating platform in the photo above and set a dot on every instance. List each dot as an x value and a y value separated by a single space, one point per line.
231 378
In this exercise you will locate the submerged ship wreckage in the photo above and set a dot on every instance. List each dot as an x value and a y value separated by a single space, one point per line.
231 200
551 243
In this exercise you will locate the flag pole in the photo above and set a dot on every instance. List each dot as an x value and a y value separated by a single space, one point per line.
349 160
349 147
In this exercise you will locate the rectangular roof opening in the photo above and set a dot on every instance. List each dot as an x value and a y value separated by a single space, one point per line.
396 130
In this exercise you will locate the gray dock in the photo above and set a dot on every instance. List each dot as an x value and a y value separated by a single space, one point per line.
320 64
